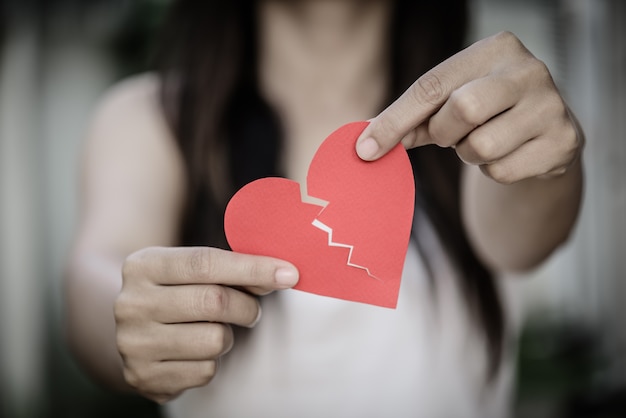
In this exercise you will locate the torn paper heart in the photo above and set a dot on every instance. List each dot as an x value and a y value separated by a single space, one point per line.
353 248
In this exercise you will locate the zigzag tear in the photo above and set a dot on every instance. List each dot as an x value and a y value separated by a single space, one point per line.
319 225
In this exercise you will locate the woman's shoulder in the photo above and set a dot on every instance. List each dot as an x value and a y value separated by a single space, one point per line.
130 96
130 112
132 177
128 133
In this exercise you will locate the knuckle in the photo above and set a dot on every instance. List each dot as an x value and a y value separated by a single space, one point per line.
552 105
259 271
136 378
439 134
213 301
121 309
129 267
131 377
429 89
128 344
125 307
142 379
156 383
538 70
560 171
570 139
556 172
566 138
509 40
500 173
483 146
123 345
133 264
532 72
131 305
466 107
202 260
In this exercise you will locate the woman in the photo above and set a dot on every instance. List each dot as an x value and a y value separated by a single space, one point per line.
251 89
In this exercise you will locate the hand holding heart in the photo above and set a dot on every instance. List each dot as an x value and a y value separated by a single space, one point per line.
175 308
495 103
176 305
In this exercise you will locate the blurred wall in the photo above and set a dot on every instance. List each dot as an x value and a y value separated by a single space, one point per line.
583 42
54 67
596 82
20 218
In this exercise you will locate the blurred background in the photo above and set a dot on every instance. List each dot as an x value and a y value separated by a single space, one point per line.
58 56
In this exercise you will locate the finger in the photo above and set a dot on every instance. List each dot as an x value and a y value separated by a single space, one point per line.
470 106
193 303
195 341
535 158
500 136
165 380
206 265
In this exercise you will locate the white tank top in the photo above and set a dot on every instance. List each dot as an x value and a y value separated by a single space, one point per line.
313 356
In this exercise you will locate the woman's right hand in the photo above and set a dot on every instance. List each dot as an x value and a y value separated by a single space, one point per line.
175 308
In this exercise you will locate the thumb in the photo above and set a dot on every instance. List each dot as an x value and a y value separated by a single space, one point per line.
403 120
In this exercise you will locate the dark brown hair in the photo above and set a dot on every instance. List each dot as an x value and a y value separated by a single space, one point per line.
229 136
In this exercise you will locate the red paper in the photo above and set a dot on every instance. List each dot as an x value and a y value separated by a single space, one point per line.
370 212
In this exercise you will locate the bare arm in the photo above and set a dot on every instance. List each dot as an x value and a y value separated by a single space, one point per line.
132 186
497 106
515 227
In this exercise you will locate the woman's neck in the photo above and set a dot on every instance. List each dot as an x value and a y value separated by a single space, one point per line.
324 57
322 63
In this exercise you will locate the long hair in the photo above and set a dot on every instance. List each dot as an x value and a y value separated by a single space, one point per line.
229 136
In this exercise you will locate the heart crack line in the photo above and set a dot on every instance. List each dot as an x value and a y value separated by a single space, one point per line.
320 225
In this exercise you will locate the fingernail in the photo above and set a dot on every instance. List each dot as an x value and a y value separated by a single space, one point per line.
367 148
286 277
258 316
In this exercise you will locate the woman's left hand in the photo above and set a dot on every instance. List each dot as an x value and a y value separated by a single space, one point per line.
495 103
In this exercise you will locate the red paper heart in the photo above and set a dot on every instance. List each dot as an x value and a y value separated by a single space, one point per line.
370 212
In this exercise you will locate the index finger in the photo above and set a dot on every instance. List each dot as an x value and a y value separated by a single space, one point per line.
206 265
423 98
